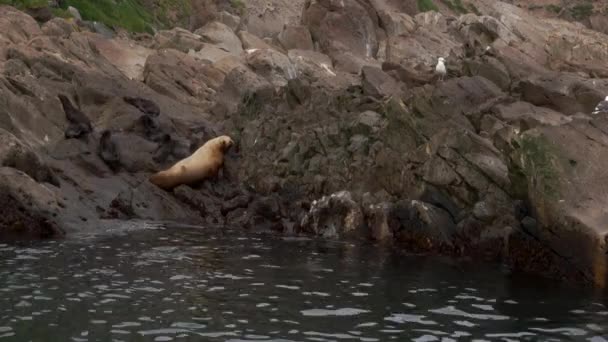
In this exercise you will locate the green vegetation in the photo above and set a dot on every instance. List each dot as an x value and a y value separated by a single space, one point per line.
554 8
23 4
128 14
132 15
238 5
474 9
427 5
581 11
456 6
537 159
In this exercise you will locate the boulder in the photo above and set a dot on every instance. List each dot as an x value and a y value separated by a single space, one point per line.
295 37
250 41
377 83
339 27
222 36
333 216
29 208
273 65
178 39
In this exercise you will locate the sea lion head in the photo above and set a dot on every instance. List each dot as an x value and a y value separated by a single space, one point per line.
225 142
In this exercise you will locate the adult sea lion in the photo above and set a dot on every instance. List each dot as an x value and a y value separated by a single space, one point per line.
203 163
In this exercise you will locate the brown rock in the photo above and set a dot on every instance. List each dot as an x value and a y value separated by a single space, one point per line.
222 36
295 37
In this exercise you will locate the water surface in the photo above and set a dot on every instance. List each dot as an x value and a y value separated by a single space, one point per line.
194 284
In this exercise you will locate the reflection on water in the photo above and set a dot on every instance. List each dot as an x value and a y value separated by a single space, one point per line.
188 284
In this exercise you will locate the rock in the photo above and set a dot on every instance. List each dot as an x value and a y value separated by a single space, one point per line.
100 28
222 36
40 14
273 65
599 23
28 208
74 13
526 116
210 54
564 205
396 24
377 83
484 211
314 64
337 215
377 217
241 83
16 27
340 27
178 39
568 94
15 154
420 224
181 77
351 63
295 37
367 123
252 42
230 20
492 69
57 27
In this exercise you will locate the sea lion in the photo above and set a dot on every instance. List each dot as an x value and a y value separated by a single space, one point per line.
108 152
165 149
152 130
79 123
147 107
203 163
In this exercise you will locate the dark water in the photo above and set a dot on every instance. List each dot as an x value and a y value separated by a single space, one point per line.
185 284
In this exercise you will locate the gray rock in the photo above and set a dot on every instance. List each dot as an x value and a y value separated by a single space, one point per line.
336 215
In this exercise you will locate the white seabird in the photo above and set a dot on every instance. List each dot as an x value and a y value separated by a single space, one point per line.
440 68
601 108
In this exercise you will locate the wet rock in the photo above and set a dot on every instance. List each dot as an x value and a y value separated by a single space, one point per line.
336 215
29 208
378 217
421 225
484 211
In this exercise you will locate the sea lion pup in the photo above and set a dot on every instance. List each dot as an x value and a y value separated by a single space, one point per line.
145 106
79 123
165 149
108 151
203 163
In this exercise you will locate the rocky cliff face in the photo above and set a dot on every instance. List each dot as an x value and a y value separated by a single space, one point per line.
342 128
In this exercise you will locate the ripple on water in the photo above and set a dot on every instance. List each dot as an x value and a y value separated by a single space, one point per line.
406 318
452 311
337 312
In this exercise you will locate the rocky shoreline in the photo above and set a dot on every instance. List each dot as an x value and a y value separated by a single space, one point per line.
342 129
